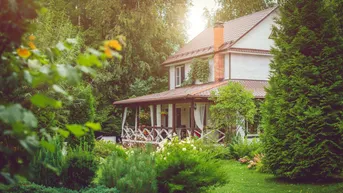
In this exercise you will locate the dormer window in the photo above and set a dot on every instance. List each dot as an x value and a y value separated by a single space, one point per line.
179 75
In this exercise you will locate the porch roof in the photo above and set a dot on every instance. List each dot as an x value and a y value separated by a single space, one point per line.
196 91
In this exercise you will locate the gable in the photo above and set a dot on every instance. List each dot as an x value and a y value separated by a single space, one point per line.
258 37
234 29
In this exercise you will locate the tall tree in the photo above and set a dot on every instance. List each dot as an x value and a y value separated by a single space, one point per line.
153 29
302 116
231 9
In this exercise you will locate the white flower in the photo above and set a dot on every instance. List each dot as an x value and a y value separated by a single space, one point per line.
183 149
194 148
169 143
168 153
165 158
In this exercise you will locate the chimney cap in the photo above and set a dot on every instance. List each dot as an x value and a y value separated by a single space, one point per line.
218 24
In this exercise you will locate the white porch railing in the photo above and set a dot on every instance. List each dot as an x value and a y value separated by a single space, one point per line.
156 135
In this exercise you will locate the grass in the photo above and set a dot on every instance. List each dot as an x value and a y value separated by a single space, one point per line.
241 179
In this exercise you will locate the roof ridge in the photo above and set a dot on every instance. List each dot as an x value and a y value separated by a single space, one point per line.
271 8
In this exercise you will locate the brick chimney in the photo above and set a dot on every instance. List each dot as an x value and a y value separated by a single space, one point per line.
218 30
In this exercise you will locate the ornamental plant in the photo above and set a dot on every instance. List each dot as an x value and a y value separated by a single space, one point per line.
24 65
132 174
302 115
186 166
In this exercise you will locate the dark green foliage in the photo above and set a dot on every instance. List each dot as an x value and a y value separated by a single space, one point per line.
79 168
135 174
302 115
82 110
30 188
105 148
46 166
34 188
100 189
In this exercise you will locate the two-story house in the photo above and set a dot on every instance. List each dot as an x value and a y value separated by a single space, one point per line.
241 53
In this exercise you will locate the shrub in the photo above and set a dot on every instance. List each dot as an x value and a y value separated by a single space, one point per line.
79 168
134 174
240 148
100 189
185 166
105 148
302 115
46 166
29 188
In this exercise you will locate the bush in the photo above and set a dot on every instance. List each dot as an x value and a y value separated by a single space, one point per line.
240 148
185 166
302 115
134 174
46 166
79 168
100 189
105 148
29 188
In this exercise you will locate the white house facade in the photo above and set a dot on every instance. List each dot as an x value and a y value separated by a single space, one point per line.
240 51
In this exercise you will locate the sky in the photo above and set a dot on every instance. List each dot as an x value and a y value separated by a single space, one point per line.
197 22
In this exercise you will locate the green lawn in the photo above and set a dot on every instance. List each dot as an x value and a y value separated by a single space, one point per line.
243 180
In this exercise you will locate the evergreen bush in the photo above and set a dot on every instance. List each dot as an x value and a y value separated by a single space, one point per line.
79 168
302 115
30 188
105 148
46 165
186 166
134 174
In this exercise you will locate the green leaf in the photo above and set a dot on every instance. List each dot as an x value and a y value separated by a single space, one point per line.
50 147
63 132
29 119
88 60
43 101
94 126
27 76
77 130
59 89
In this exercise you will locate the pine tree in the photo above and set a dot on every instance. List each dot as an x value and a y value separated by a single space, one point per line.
303 112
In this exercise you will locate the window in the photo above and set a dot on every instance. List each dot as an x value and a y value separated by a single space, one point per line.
179 75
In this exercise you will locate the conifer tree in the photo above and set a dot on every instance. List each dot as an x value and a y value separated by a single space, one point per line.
303 112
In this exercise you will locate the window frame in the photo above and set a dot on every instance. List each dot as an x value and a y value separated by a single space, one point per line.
178 75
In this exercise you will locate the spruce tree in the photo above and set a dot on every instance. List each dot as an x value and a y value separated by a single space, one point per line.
303 111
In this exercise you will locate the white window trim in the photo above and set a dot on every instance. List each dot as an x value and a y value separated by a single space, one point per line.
178 78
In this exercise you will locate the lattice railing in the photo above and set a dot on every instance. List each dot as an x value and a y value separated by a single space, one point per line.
156 135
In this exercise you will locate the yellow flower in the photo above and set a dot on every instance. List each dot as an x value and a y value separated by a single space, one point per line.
108 52
32 37
23 52
32 45
114 44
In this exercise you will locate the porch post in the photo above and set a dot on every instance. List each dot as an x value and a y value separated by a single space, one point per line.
192 117
174 118
170 115
158 116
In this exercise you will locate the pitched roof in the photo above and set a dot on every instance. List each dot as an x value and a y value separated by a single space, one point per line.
234 30
197 91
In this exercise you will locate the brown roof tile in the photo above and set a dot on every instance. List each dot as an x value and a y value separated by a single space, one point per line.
233 30
196 91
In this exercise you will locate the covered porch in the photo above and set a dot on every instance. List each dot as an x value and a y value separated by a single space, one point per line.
182 112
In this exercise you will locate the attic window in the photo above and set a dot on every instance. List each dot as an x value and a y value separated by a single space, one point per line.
272 35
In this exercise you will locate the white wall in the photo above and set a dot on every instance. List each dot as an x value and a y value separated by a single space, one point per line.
172 77
226 66
258 38
247 66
